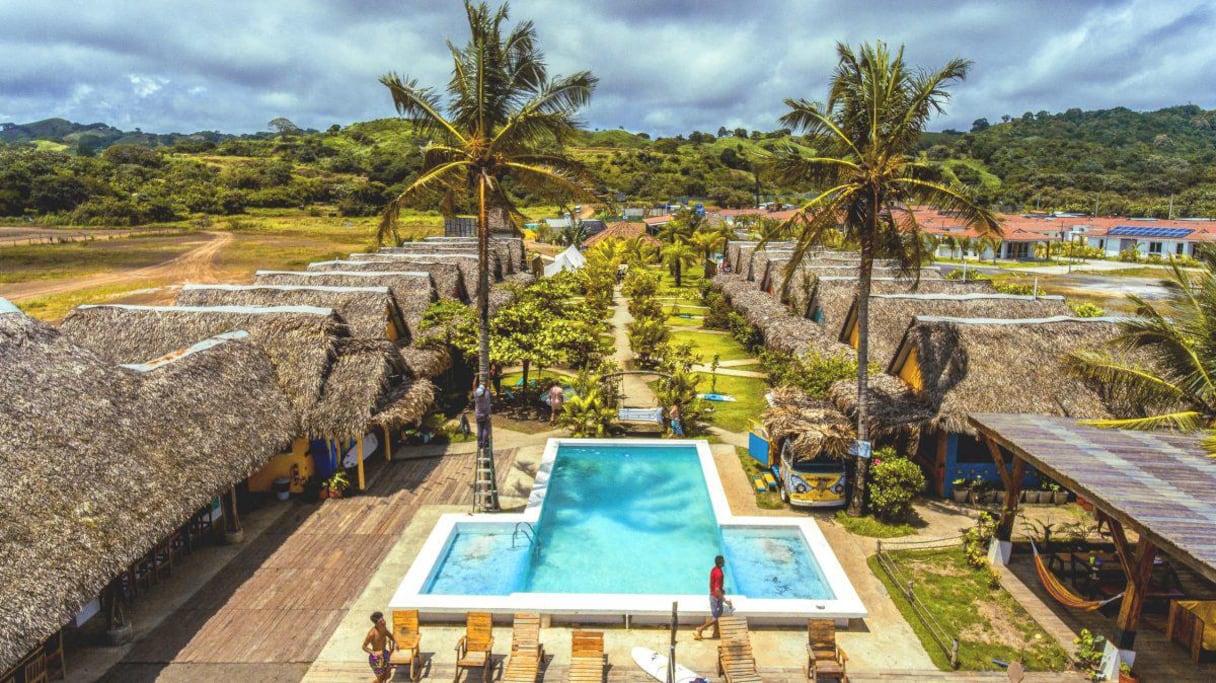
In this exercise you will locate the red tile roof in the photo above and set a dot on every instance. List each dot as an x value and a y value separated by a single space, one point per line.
621 230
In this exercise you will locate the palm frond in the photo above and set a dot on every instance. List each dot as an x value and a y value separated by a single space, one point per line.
1185 421
419 105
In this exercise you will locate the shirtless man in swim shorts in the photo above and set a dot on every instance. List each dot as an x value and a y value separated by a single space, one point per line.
379 645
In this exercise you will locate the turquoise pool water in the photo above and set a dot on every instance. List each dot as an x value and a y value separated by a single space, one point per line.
626 519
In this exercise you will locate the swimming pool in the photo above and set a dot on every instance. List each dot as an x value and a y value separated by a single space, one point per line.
626 527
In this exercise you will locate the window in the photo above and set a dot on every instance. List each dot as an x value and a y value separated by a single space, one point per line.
1181 248
1154 248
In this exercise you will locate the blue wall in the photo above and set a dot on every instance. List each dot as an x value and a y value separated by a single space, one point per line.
985 471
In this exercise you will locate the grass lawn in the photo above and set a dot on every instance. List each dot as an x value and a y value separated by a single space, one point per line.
690 281
872 527
77 259
708 344
989 623
54 307
734 416
677 321
766 500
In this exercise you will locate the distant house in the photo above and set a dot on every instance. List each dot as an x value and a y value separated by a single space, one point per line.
593 226
620 231
635 213
558 223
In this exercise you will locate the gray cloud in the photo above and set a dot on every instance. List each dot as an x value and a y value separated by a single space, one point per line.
665 67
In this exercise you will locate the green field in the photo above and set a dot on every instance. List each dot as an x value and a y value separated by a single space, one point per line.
707 344
735 416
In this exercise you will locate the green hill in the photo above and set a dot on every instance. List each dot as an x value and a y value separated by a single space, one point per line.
1126 162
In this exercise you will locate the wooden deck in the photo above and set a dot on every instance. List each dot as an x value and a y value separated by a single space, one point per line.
281 599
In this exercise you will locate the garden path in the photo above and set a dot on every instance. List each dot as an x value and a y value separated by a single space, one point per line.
637 392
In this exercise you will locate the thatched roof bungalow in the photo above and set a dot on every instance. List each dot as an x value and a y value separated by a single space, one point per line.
370 312
414 291
502 254
831 296
370 383
780 330
449 282
509 247
101 462
890 314
466 263
948 368
304 343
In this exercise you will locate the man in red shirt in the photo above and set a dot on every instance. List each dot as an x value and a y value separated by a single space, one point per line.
717 597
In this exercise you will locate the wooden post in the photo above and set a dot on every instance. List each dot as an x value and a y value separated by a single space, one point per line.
1138 573
236 521
359 459
1013 487
388 446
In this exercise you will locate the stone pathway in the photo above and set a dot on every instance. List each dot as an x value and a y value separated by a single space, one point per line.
638 393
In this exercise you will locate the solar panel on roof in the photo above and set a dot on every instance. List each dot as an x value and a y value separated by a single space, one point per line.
1137 231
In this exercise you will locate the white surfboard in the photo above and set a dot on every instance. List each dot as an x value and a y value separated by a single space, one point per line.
655 664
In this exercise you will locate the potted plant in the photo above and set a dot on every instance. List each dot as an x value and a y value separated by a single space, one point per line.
335 485
1090 647
1058 495
1126 675
961 490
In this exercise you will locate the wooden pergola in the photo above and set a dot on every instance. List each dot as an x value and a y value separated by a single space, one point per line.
1162 485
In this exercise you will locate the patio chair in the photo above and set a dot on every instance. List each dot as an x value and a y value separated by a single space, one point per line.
527 652
825 660
737 664
586 657
408 637
732 628
474 649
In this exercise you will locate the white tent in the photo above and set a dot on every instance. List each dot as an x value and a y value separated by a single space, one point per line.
570 259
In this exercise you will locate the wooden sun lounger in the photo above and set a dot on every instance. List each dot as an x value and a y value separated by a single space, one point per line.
475 646
405 632
735 658
527 652
825 660
586 657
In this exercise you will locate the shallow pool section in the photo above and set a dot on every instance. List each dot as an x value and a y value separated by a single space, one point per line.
626 527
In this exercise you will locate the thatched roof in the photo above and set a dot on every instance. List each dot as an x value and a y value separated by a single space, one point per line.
427 361
367 378
831 296
507 246
414 291
101 462
809 427
302 342
893 407
890 314
449 282
998 366
501 253
781 331
466 263
369 311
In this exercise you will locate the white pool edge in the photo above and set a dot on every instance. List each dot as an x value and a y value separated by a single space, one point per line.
845 605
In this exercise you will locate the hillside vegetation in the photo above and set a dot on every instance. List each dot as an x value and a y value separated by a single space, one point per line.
1119 161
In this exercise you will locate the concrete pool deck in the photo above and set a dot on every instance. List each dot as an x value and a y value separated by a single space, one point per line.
881 642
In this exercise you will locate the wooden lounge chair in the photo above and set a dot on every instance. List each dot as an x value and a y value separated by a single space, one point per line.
474 649
732 628
736 663
586 657
527 652
825 660
405 631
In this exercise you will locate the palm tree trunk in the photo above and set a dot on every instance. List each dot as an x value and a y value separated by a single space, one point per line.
483 288
857 499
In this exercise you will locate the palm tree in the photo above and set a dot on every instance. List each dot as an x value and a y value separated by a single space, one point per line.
865 139
675 236
505 118
1176 389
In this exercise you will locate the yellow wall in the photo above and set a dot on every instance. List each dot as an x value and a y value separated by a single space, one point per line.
910 371
280 466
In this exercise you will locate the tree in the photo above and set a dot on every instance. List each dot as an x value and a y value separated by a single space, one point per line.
675 235
284 126
866 136
979 125
506 118
1176 389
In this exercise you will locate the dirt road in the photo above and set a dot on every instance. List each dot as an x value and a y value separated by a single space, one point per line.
196 265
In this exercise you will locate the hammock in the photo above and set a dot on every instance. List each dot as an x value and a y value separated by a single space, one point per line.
1060 592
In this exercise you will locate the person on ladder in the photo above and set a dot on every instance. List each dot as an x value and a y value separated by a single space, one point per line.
481 410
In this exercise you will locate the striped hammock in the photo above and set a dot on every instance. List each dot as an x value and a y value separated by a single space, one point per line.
1060 592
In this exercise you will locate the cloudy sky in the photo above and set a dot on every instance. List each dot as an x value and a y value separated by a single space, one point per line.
665 66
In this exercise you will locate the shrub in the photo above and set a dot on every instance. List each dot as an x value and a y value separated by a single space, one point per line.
895 481
976 540
1090 648
1086 310
647 336
1130 256
1013 288
743 331
640 282
812 373
717 317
